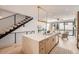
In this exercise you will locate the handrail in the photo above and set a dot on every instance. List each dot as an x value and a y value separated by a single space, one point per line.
22 14
14 15
7 17
23 31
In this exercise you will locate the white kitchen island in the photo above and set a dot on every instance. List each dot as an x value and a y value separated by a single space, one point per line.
39 43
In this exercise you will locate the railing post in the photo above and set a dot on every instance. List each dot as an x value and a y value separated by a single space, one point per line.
15 37
15 19
15 24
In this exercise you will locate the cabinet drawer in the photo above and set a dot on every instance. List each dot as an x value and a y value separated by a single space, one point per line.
48 45
41 42
42 49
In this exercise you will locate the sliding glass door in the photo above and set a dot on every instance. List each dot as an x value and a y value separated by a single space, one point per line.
67 26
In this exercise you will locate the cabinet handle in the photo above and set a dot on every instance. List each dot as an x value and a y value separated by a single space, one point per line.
42 48
47 39
52 39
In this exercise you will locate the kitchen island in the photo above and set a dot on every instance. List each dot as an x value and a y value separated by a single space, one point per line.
39 43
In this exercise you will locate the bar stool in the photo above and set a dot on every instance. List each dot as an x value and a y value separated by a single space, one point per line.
65 35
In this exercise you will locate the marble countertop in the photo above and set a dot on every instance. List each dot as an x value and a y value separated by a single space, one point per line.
39 37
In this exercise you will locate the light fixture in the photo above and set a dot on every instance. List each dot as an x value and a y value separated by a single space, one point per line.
42 20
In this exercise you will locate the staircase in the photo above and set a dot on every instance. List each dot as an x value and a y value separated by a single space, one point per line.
5 32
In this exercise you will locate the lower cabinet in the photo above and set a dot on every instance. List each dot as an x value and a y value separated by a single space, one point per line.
46 45
31 46
42 47
78 41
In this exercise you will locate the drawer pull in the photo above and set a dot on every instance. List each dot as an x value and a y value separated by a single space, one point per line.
42 48
52 39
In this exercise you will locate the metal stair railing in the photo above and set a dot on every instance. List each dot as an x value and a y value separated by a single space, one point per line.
16 25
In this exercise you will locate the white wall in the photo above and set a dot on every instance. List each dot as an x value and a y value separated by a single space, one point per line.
26 10
23 9
5 13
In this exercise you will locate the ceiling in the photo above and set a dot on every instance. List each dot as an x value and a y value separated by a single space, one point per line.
54 11
61 10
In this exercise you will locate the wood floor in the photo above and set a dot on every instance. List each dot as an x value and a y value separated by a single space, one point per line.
14 49
64 47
